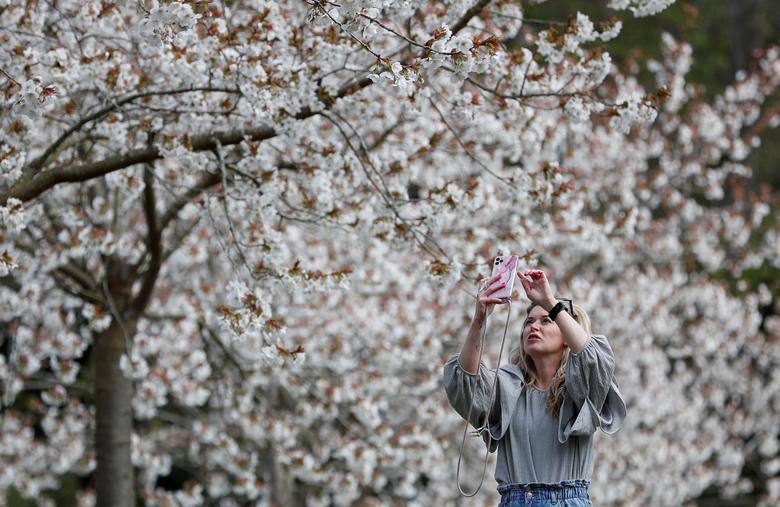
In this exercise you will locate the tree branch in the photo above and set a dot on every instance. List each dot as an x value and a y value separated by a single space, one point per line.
89 288
29 188
464 20
176 239
85 294
206 181
36 164
152 245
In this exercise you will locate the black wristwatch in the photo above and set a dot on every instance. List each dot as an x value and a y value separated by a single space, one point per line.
555 310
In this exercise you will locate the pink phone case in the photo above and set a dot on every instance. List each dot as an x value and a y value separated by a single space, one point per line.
507 266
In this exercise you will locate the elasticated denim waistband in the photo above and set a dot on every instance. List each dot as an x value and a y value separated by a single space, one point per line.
577 488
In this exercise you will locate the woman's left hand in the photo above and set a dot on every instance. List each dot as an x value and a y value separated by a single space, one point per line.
537 288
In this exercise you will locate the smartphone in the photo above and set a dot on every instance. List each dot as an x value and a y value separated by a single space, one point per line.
507 268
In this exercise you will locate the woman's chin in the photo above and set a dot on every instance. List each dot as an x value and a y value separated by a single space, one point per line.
534 346
537 348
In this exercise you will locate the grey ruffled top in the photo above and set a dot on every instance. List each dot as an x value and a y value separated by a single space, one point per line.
532 446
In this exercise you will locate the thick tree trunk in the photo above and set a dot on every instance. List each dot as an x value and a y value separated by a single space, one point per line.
281 481
114 391
114 394
742 31
280 478
114 418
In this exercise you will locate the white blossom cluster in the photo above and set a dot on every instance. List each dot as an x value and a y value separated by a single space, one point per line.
631 111
641 8
12 216
671 73
171 22
28 100
581 31
310 291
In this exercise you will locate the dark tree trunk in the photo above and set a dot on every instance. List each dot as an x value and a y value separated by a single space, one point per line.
114 421
114 393
742 29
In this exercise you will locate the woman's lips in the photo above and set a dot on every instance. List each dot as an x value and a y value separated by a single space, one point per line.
533 336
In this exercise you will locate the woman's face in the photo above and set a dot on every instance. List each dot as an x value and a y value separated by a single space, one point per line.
541 336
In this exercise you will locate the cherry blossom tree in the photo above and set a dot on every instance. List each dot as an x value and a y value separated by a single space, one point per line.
240 239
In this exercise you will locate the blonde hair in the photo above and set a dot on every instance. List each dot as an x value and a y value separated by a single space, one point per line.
518 357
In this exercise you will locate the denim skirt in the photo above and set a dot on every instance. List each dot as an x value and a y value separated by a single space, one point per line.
572 493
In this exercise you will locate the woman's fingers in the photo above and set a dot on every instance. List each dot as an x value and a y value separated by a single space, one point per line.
492 300
524 282
488 281
533 276
491 290
498 287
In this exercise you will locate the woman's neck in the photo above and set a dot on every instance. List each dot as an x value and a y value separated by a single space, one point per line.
546 366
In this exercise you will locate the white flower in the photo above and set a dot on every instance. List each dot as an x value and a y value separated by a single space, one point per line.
461 42
168 23
32 96
12 215
612 32
585 31
134 367
634 111
577 110
7 263
640 8
272 356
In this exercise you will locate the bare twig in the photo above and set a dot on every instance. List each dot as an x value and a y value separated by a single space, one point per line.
317 5
404 37
527 20
9 77
465 149
221 165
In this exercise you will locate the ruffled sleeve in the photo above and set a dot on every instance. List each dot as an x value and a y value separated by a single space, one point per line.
593 399
464 389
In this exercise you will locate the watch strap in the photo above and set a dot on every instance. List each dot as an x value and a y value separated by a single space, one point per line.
555 310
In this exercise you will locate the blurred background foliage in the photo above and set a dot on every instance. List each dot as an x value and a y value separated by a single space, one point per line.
726 36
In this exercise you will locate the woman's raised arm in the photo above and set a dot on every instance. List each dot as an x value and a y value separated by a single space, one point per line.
469 353
538 290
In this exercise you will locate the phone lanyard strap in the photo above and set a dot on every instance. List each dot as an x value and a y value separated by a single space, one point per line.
484 426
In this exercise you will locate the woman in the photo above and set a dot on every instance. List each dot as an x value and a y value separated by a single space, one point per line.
559 388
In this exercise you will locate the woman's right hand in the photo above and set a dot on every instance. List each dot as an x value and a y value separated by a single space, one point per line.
486 303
